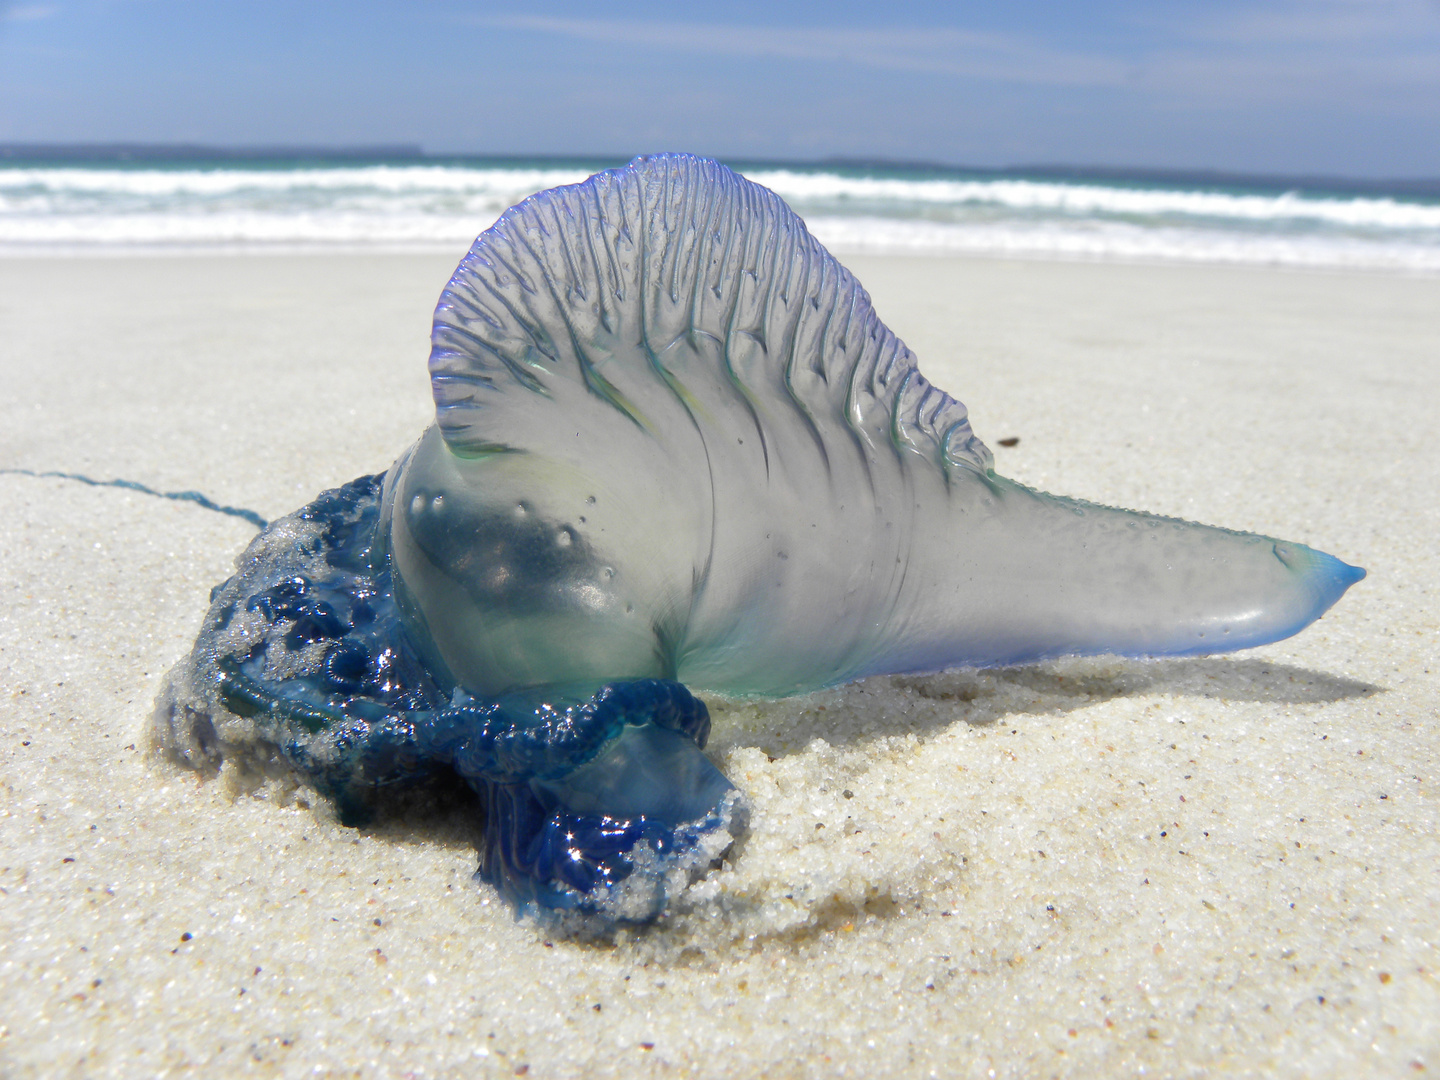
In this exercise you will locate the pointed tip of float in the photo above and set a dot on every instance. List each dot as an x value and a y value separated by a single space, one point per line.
1327 578
1329 575
1341 575
1349 574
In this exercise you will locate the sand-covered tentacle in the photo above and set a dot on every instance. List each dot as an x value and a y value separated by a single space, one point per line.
605 805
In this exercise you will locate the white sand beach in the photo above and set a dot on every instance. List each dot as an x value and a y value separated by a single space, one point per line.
1224 866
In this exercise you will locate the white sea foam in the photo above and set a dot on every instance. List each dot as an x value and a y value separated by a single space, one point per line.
223 229
443 206
1107 240
502 183
1092 199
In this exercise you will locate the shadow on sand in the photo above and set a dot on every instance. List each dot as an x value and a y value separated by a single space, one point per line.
852 714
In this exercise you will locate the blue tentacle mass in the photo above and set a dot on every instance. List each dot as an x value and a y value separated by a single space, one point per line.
674 445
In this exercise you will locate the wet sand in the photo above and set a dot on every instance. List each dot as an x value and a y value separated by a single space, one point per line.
1226 866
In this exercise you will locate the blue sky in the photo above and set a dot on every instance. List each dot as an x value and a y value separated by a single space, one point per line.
1349 87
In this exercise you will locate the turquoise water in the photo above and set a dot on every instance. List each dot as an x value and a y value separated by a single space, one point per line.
439 204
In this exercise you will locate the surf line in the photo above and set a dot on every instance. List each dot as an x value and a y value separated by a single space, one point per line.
130 485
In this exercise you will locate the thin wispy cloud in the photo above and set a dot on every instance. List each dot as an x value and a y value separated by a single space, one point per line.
941 50
1401 23
1280 51
1297 51
26 12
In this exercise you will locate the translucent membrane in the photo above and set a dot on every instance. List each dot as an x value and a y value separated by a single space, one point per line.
674 440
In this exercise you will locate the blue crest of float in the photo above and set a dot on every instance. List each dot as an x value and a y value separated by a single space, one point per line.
674 447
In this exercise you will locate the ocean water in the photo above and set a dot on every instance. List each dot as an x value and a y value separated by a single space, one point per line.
240 206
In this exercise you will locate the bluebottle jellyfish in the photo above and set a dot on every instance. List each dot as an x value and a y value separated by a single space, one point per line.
674 446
